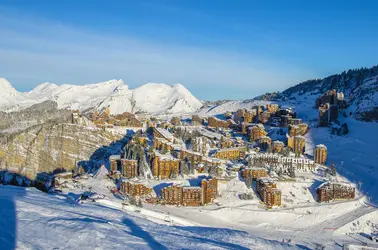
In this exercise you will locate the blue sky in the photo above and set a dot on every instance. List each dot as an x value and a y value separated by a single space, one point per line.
217 49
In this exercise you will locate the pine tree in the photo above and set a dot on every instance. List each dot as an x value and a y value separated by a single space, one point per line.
140 203
333 170
248 181
164 149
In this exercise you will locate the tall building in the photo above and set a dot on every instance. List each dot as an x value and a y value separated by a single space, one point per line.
254 173
335 191
164 167
268 192
231 153
323 120
255 132
129 168
209 190
265 142
298 144
272 108
134 189
320 154
191 195
114 161
277 146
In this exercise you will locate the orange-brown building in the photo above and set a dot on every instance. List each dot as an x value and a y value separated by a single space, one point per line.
297 144
191 195
272 108
129 168
268 192
335 191
254 173
216 123
135 189
209 190
320 154
294 121
243 115
264 117
172 195
277 146
114 162
190 155
197 121
255 132
231 153
164 167
126 119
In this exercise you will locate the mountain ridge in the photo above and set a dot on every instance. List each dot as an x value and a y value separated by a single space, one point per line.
152 98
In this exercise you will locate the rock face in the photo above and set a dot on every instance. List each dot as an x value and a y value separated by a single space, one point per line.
51 146
36 114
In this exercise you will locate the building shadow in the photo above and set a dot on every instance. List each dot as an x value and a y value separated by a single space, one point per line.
8 216
313 188
140 233
157 188
197 181
101 155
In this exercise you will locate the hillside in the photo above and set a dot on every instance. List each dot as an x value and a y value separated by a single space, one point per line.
149 98
360 88
63 224
47 147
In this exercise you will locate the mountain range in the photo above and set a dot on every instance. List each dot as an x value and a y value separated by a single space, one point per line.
152 98
360 87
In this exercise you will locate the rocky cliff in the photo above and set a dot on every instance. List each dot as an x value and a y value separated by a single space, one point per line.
47 147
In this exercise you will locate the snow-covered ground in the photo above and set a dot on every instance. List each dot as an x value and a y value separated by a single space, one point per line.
31 219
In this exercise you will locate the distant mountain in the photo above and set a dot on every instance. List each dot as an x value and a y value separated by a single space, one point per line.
360 88
149 98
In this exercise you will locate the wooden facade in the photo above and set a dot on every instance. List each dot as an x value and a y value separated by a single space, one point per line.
129 168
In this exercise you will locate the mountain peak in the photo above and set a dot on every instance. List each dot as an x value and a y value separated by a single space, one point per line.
6 88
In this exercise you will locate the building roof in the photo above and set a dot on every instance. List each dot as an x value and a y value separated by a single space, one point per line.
230 149
115 157
165 133
320 146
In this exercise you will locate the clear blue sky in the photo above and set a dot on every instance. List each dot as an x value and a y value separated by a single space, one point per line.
217 49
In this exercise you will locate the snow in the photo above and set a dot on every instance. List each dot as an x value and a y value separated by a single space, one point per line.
35 220
151 98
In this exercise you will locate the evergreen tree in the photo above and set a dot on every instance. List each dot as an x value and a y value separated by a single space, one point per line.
140 203
292 172
333 170
164 149
248 181
192 166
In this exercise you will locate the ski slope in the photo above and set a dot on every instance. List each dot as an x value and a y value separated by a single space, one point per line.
35 220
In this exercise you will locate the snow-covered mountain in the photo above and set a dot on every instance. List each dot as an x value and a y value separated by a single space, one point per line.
115 94
360 88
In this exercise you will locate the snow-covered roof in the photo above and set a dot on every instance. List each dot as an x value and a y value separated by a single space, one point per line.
115 157
165 156
230 149
165 133
321 146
